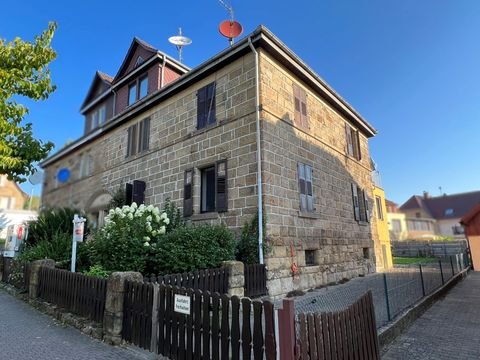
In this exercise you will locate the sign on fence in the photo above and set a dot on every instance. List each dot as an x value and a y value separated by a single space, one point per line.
182 304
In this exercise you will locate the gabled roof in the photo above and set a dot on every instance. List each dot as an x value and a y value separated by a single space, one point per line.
99 77
457 204
470 215
136 42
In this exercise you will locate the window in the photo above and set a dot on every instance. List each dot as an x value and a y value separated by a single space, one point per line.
102 114
187 193
132 94
94 122
458 230
139 61
138 138
300 100
378 202
396 225
86 166
206 106
353 142
360 204
213 187
143 87
448 212
418 225
306 187
366 253
310 258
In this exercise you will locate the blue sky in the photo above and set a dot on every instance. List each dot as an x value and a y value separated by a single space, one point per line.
409 67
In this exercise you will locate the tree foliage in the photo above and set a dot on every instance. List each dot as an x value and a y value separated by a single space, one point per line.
23 73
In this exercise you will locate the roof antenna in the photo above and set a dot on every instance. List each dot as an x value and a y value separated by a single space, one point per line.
180 41
230 28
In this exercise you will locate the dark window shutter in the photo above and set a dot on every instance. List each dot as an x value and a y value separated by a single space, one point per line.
348 136
139 191
201 108
359 152
139 137
221 202
133 139
146 134
187 193
356 205
128 194
129 141
302 186
367 208
211 105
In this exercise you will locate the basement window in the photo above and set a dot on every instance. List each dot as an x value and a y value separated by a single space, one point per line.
310 258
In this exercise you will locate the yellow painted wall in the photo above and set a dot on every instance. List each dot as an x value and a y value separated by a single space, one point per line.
384 253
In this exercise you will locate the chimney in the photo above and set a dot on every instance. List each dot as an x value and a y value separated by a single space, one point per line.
426 195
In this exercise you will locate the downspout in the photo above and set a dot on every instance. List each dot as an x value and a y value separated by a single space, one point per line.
114 102
162 74
259 157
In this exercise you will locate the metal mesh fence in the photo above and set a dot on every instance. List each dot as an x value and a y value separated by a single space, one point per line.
393 291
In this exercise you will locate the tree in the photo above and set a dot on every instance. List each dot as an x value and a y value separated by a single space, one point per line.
23 73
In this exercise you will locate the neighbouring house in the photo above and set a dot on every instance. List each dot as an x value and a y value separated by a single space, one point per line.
12 200
431 217
161 130
397 222
383 252
471 224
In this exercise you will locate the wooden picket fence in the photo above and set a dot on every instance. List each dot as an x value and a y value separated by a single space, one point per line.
255 280
80 294
347 334
213 280
217 326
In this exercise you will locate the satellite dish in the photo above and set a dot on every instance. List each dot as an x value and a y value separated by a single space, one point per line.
36 178
63 175
179 41
230 29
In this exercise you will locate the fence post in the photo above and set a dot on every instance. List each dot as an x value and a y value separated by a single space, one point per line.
421 277
451 264
286 330
386 296
113 315
441 271
34 276
236 277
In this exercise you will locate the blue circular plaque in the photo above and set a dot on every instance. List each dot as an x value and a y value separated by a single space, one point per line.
63 175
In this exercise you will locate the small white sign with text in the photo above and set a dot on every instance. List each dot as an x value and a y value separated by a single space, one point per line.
182 304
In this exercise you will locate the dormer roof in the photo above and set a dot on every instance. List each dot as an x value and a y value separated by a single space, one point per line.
138 48
100 83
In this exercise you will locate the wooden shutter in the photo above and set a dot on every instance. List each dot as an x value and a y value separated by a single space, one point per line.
357 138
297 118
221 186
356 205
309 187
302 186
140 137
210 104
188 193
367 208
201 108
146 134
303 106
348 136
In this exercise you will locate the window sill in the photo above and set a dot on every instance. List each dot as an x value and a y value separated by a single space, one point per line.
205 128
204 216
362 223
308 215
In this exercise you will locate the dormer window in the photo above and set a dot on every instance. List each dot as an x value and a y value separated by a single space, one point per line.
139 61
448 212
143 88
138 90
98 117
132 93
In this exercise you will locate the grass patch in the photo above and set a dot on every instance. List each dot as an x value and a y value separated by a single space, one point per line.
398 260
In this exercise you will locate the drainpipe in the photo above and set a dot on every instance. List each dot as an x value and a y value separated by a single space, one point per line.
114 102
162 75
259 157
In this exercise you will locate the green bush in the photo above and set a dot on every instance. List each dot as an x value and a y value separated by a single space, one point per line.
50 222
123 244
97 271
192 248
247 248
174 214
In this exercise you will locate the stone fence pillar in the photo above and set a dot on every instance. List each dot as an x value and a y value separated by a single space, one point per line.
35 274
236 277
113 315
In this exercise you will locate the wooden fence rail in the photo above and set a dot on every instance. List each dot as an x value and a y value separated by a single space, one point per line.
347 334
255 280
215 326
213 280
80 294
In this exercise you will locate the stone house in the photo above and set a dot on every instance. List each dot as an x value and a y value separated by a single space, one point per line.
11 196
195 137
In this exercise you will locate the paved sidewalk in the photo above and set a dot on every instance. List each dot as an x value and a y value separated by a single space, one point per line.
26 334
449 330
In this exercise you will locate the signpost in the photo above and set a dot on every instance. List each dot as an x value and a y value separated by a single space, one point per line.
78 225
